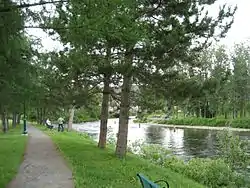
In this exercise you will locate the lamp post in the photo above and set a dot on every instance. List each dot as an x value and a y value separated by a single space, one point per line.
25 132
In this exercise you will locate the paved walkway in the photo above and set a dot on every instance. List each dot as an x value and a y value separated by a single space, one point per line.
43 166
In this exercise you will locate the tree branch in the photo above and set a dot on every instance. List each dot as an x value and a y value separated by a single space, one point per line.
27 5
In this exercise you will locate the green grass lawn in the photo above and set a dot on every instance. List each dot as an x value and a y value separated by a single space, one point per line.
11 154
93 167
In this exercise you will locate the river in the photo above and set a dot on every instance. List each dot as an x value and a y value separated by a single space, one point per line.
185 143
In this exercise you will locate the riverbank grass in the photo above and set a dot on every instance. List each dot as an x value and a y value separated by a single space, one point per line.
11 153
93 167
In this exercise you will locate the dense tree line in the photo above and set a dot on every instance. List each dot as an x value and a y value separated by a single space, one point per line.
218 87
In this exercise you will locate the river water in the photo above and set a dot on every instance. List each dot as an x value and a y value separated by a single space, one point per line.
185 143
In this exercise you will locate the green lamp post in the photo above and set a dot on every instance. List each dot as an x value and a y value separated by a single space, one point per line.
25 132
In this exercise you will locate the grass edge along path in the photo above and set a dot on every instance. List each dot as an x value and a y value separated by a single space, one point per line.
93 167
12 150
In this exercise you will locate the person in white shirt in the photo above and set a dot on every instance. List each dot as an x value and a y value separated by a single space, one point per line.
60 124
48 124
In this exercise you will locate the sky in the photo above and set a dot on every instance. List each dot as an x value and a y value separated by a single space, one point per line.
239 32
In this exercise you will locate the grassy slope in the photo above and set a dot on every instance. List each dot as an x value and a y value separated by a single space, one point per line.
93 167
11 152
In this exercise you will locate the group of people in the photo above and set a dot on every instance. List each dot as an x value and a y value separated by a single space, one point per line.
60 124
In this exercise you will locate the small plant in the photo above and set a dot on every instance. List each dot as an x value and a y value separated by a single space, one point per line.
155 153
233 150
85 135
135 146
111 138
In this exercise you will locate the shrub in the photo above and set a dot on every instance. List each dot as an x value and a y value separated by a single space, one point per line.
175 164
155 153
142 120
210 172
233 150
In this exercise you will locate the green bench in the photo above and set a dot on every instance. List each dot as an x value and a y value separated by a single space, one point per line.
146 183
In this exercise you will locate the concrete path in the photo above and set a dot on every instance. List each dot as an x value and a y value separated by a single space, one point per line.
43 166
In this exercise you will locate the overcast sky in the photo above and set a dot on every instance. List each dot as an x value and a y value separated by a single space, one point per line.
239 32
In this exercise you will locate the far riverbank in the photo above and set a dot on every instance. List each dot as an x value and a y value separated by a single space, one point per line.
198 127
239 124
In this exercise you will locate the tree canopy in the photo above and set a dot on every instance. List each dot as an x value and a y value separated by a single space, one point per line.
112 46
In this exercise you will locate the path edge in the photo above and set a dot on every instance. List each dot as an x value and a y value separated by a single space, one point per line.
21 160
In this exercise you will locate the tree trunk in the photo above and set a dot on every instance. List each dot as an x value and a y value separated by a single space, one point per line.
205 111
71 117
4 122
37 115
241 110
7 122
121 145
235 114
43 116
18 118
104 113
14 116
225 115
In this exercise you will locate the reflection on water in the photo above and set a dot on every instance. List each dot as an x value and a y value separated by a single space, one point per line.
186 143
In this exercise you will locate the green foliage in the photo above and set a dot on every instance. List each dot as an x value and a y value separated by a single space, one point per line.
210 172
11 153
16 82
214 88
198 121
143 120
124 38
155 153
87 115
86 164
233 150
211 122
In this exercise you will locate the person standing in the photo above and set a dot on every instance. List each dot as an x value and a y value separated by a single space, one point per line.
60 124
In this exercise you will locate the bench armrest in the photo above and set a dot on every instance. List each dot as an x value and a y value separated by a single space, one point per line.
162 181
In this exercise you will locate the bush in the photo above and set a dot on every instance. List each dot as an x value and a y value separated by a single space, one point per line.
144 120
233 150
210 172
155 153
175 164
83 115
